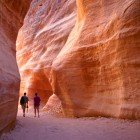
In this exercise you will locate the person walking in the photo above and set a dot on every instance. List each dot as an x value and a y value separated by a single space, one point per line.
36 104
24 103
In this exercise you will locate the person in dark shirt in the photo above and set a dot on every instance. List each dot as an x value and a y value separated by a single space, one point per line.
24 103
36 104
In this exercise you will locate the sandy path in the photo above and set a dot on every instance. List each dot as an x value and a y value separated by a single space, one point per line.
48 127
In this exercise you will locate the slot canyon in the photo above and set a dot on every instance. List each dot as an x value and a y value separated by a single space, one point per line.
81 56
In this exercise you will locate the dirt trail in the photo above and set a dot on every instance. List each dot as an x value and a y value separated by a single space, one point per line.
48 127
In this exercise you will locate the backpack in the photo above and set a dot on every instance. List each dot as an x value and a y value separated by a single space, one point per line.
22 100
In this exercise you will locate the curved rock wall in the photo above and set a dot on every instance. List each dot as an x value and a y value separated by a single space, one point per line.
94 70
43 35
11 19
97 71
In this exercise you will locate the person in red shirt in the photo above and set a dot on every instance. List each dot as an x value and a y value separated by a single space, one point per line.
36 104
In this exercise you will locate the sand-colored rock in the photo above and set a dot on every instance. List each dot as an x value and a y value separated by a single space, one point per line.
97 73
11 19
54 106
94 71
43 35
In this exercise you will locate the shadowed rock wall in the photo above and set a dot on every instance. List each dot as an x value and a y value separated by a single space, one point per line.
12 13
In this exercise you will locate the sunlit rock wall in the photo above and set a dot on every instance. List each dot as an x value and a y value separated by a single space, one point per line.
11 19
43 35
97 73
95 70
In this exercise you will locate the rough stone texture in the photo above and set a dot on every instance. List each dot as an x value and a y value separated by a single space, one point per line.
11 18
44 33
96 72
54 106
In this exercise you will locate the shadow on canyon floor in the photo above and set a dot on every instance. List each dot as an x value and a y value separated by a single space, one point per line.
52 128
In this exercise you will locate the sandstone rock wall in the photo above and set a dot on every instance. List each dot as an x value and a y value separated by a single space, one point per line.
11 18
92 67
97 71
43 35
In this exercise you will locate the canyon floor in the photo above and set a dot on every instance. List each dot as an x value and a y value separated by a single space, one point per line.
48 127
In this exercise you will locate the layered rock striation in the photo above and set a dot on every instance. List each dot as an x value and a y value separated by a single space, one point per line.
92 67
11 19
43 35
97 71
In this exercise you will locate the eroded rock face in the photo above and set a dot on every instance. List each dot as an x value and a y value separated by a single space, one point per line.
94 70
11 18
97 71
43 35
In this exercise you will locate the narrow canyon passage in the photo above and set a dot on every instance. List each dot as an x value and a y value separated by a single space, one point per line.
81 57
48 127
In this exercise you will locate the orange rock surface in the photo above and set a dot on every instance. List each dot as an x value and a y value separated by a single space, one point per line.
97 71
11 19
43 35
92 67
